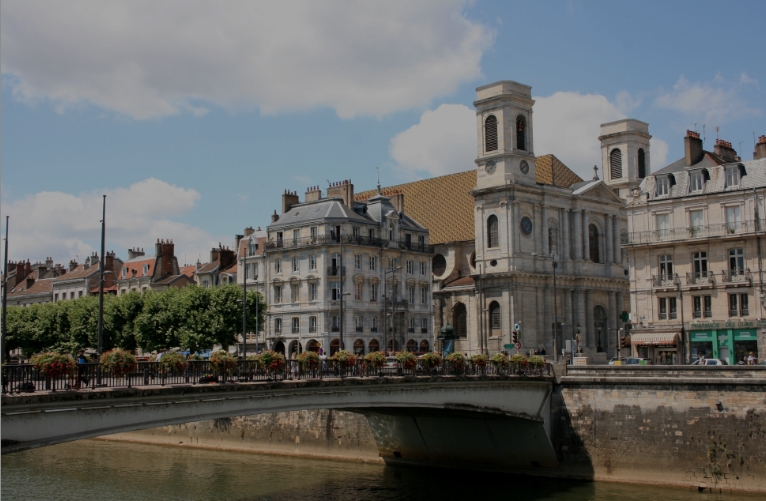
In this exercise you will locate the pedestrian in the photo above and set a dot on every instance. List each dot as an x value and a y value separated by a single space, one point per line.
542 352
751 359
160 355
82 374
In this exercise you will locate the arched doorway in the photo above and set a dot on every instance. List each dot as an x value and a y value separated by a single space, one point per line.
312 345
411 345
279 347
334 346
374 345
295 349
359 347
599 327
424 346
460 320
495 321
393 345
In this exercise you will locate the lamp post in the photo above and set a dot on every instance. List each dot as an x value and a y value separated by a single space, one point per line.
385 310
554 265
5 293
244 309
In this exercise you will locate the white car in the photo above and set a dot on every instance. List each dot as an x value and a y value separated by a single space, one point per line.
710 361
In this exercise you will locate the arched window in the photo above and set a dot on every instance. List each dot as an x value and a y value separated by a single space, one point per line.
521 133
615 163
553 240
495 322
490 133
492 238
641 163
593 242
599 326
460 320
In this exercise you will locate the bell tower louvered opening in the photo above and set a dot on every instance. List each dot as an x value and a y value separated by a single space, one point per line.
490 133
641 163
615 164
521 133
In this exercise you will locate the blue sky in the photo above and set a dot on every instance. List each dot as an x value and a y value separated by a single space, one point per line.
194 117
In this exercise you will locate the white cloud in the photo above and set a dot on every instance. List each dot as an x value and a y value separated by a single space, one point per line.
148 59
713 102
63 225
443 142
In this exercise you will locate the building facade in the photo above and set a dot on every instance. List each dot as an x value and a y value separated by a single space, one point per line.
158 272
695 230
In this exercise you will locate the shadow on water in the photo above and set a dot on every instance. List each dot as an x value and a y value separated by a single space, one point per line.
92 469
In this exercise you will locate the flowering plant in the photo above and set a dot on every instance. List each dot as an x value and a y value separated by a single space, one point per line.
195 357
174 363
500 359
345 358
536 361
53 364
375 359
309 360
272 360
407 359
480 359
519 360
222 361
118 362
456 359
431 360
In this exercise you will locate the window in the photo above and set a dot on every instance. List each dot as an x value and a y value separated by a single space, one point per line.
668 308
421 242
312 291
423 325
56 296
373 324
666 266
490 133
124 272
278 293
411 293
696 181
252 248
335 290
593 241
372 263
335 323
312 324
357 231
296 325
373 292
732 219
313 232
146 269
371 233
358 291
277 326
358 261
411 325
423 294
422 267
79 293
615 163
296 236
743 305
295 292
492 237
359 323
736 261
312 262
742 310
732 176
391 263
553 240
699 261
641 163
279 239
696 221
254 274
408 240
204 284
278 266
700 302
410 267
663 186
673 312
494 316
663 225
296 264
521 128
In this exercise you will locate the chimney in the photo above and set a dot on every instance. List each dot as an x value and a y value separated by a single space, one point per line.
226 257
29 282
49 262
94 259
109 266
214 253
42 271
249 231
158 248
692 148
168 254
724 150
133 253
760 148
274 217
237 240
313 193
397 200
289 198
72 265
20 272
342 189
199 265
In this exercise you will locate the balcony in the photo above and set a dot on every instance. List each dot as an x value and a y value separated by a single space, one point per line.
335 271
335 328
737 277
411 330
691 233
664 280
698 314
373 329
700 278
359 328
332 239
424 330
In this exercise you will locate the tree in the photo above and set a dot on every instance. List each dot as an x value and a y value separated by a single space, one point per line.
161 319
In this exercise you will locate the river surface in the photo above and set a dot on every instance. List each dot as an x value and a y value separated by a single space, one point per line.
115 471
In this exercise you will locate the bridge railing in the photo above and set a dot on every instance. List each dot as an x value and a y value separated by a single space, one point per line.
26 378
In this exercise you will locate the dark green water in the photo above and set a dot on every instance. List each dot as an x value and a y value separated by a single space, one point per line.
115 471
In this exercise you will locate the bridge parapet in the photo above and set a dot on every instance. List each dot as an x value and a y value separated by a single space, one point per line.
688 374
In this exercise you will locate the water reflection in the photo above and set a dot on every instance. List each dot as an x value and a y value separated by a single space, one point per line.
93 469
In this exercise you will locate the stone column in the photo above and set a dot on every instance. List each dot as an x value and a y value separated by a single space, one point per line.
609 239
616 236
535 225
515 228
548 305
579 313
569 318
539 319
577 254
612 314
585 239
590 334
564 235
544 235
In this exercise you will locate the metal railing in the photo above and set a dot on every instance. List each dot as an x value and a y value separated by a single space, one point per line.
20 378
700 278
734 276
691 232
331 238
664 280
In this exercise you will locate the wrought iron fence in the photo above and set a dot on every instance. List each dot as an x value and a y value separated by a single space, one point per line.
691 232
331 238
19 378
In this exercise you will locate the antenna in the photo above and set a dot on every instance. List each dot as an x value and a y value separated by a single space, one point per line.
378 169
703 133
716 131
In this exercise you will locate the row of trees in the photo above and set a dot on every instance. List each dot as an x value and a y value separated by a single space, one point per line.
193 318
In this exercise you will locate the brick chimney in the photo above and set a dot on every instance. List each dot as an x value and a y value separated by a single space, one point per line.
29 282
289 198
158 249
49 262
133 253
109 266
249 231
760 148
237 240
692 148
94 259
342 189
168 255
72 265
226 257
214 253
274 217
313 193
22 270
724 150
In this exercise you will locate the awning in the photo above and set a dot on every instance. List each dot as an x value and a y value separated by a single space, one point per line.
655 339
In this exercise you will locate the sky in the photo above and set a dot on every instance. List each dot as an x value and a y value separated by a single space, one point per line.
193 117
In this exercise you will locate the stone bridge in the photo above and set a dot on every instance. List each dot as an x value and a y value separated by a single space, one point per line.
496 421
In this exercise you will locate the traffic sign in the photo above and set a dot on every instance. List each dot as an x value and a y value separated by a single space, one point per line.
516 327
518 346
509 346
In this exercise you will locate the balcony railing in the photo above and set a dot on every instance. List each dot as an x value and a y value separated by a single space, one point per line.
335 271
359 328
692 232
700 278
330 238
664 280
734 276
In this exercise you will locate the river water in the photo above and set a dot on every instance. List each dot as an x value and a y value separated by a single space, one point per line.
116 471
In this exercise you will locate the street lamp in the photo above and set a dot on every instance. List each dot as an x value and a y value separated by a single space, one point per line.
385 311
555 304
340 337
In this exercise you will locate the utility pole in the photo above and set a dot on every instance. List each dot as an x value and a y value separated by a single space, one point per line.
555 314
101 282
5 294
340 337
244 307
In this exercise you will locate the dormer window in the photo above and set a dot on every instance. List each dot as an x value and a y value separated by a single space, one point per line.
696 181
146 269
732 176
663 186
124 272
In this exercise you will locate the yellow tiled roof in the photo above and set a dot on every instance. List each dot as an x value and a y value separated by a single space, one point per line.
548 164
441 204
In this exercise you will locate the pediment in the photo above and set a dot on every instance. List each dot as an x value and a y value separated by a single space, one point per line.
598 191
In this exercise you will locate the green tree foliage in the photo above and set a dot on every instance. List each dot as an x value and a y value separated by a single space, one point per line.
193 318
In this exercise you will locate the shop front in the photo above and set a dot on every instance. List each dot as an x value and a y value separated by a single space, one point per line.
732 345
662 348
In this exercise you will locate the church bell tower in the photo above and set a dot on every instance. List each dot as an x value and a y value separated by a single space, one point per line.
504 126
624 154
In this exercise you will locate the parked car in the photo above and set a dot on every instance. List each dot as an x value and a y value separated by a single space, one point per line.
710 361
622 360
637 361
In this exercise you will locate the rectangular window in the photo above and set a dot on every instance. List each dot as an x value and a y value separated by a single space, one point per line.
56 297
411 293
358 291
278 266
736 261
371 234
744 309
663 308
254 274
373 324
312 262
357 232
204 284
372 263
663 185
696 221
411 325
699 260
124 272
359 323
697 306
422 267
733 305
422 242
313 231
296 237
312 324
251 248
358 261
296 264
666 266
423 294
663 224
335 290
672 311
708 303
732 176
312 291
71 295
696 181
79 293
295 292
146 269
409 267
391 263
277 294
373 292
279 239
335 323
423 325
732 219
277 326
296 325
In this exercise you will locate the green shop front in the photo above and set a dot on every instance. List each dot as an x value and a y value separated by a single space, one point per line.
730 344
